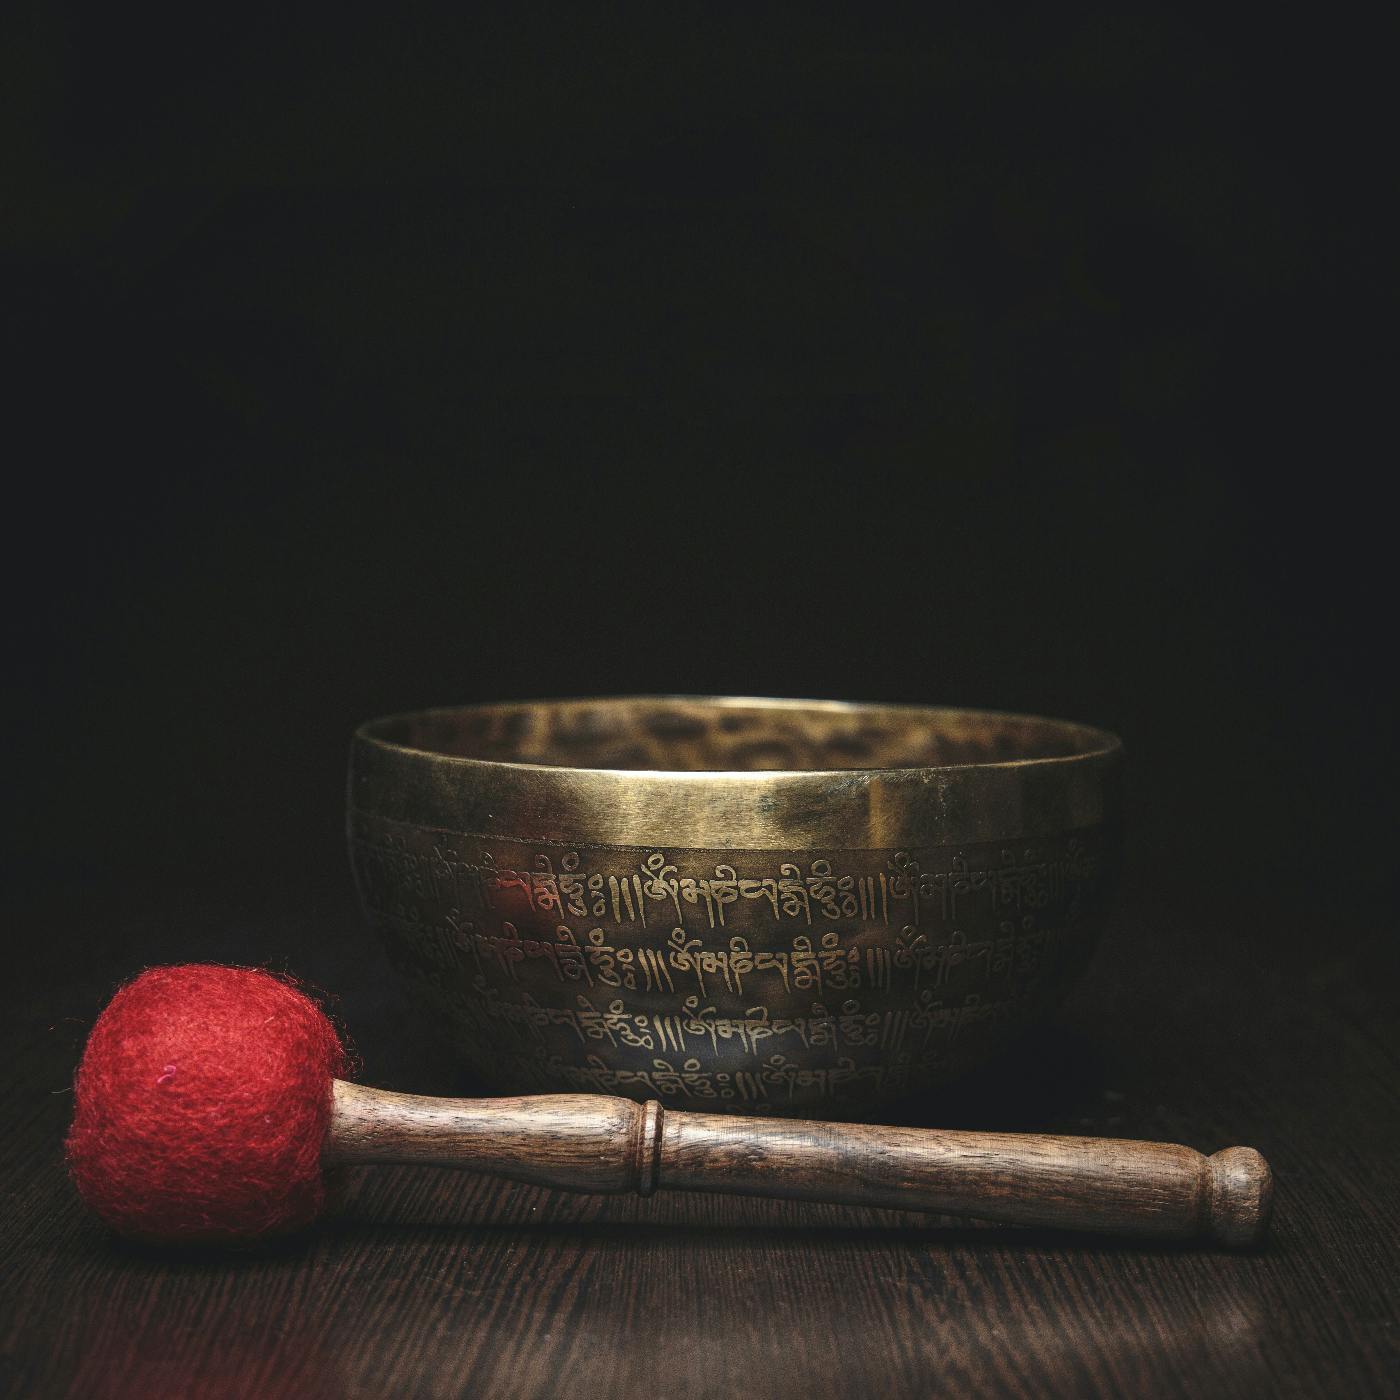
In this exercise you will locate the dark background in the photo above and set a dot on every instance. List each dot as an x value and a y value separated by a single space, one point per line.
1019 362
1040 361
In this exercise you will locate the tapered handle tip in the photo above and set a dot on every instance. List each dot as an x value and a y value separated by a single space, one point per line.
1241 1195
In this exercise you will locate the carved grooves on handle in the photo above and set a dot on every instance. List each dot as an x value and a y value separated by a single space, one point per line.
589 1142
1117 1186
646 1148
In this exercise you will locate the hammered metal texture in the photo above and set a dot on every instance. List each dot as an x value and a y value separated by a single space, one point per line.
746 905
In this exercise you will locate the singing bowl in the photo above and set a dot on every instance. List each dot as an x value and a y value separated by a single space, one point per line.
756 905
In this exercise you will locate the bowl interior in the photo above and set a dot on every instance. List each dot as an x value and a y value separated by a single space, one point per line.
719 735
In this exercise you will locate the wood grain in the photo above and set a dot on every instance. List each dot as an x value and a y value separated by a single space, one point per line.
427 1282
1052 1180
591 1142
573 1142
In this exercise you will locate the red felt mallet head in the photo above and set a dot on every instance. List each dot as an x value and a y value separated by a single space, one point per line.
201 1106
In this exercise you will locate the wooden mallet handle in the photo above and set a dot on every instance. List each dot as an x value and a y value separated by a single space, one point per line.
593 1143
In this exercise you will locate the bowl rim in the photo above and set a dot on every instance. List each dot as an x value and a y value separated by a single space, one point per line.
1100 744
792 809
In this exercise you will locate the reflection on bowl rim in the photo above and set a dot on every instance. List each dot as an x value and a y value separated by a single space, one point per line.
1106 743
726 809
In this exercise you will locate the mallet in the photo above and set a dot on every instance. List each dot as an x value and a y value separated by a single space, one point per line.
207 1106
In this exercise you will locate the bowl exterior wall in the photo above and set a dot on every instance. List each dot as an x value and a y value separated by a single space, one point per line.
892 931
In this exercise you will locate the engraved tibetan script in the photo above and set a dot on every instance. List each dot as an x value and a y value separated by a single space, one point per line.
738 978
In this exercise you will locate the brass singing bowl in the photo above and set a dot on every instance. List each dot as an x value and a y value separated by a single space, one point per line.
755 905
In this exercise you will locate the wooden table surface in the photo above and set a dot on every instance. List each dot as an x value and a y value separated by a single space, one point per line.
1203 1031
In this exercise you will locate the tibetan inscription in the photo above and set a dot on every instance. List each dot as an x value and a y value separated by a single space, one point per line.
752 981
